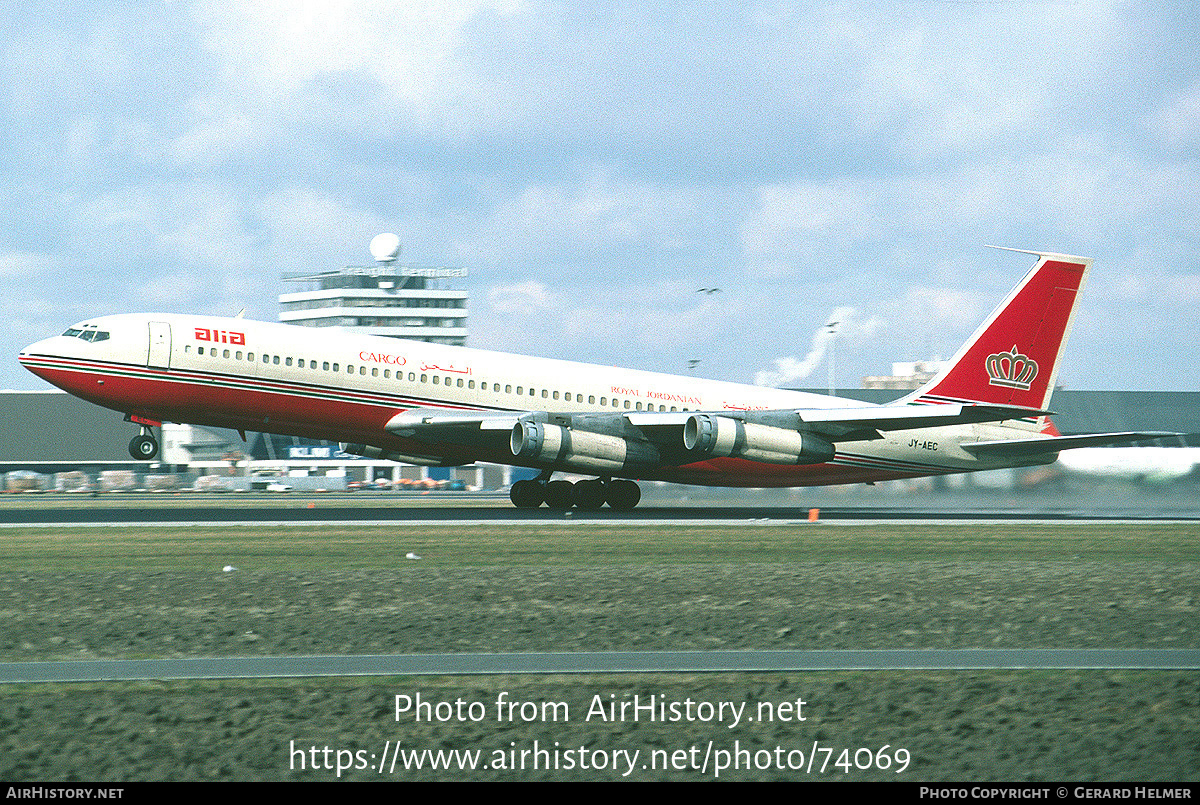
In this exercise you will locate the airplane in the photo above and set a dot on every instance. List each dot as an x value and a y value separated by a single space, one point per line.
438 405
1155 465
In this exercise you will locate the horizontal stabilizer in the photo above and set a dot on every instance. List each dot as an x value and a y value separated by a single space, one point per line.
904 417
1053 444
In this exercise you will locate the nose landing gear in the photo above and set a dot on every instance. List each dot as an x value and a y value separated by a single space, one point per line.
143 447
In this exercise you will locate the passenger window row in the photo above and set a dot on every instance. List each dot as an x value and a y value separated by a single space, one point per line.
430 379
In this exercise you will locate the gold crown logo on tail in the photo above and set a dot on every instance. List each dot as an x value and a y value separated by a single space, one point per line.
1011 369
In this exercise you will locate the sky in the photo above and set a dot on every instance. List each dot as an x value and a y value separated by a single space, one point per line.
592 165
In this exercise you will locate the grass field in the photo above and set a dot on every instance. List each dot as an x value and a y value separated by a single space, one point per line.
142 592
90 549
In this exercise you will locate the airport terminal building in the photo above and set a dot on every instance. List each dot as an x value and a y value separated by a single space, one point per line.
420 303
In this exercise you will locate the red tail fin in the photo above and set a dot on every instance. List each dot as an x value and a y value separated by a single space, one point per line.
1012 359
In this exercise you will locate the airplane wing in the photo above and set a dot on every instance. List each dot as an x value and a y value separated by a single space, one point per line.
676 437
840 424
1053 444
606 441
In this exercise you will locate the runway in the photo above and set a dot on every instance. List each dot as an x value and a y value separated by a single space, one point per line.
597 662
307 510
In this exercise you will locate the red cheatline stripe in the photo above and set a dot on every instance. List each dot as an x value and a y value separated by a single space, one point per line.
248 384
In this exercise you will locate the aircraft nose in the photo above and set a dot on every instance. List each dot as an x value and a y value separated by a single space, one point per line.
36 346
30 356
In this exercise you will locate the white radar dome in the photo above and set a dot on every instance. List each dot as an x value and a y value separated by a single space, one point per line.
385 247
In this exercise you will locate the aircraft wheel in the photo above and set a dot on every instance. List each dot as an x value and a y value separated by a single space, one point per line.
560 495
143 447
589 495
623 495
526 494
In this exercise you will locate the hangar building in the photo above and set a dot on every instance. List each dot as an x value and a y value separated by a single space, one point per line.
51 431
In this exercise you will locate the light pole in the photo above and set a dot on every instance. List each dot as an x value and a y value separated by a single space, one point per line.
831 328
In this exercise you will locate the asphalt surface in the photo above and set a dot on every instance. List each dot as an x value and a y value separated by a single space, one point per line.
370 510
595 662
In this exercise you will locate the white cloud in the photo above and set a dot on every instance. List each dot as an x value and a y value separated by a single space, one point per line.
842 323
951 308
939 80
307 229
657 327
24 264
190 224
805 221
277 50
1153 285
580 220
1177 121
177 290
520 299
211 142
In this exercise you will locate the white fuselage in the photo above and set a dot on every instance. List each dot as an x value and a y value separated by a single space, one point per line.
330 384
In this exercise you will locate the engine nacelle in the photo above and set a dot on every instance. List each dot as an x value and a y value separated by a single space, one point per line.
721 436
573 449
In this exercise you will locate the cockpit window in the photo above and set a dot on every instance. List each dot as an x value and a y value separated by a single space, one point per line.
87 333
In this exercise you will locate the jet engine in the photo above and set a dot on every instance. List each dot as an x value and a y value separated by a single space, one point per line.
582 450
721 436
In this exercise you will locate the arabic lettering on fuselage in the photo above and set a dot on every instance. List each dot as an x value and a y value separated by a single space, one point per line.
433 367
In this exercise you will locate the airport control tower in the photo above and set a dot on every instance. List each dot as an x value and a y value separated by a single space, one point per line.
421 303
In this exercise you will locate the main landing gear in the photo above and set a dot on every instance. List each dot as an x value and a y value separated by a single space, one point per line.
619 494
